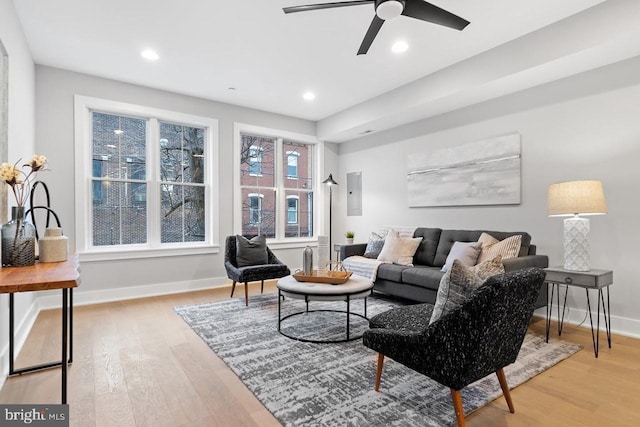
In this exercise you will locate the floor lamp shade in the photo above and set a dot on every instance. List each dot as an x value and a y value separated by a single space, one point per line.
576 198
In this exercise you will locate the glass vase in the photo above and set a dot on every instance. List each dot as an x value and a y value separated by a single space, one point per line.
18 240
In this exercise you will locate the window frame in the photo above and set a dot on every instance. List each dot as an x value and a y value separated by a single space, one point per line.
280 241
292 155
259 197
84 107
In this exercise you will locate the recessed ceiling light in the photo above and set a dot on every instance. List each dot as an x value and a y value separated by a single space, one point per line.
150 54
309 96
400 46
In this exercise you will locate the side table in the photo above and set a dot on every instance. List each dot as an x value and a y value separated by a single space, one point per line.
44 277
592 279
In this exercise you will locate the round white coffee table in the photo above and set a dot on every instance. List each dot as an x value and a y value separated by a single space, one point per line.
356 287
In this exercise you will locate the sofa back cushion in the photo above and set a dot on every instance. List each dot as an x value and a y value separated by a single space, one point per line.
448 237
426 253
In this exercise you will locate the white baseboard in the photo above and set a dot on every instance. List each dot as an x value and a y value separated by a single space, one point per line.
131 292
577 316
22 330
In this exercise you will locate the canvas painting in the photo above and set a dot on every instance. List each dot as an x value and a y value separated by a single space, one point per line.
484 172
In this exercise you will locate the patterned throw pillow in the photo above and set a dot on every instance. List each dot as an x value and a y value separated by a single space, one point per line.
251 252
460 282
374 246
399 250
465 252
492 247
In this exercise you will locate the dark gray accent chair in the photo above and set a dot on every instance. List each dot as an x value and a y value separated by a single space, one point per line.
273 269
478 338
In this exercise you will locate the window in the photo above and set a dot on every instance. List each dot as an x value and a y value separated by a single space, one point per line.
292 209
255 160
278 202
292 164
151 179
255 208
97 185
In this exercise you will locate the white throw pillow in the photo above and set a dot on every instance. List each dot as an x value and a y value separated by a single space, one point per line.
466 252
399 250
492 247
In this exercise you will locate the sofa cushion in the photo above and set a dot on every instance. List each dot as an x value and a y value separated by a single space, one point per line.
492 247
425 277
391 272
426 252
448 237
399 250
460 282
466 252
374 246
251 252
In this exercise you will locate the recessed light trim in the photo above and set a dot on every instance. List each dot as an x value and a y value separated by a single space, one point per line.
400 46
150 54
309 96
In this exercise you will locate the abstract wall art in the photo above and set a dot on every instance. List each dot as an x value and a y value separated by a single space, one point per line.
479 173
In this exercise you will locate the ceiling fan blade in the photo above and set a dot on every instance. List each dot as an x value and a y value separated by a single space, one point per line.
372 32
307 7
424 11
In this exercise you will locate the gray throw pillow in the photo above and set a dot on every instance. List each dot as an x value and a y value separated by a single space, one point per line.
251 252
460 282
374 246
465 252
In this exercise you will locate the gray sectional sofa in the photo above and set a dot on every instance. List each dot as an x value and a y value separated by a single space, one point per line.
420 282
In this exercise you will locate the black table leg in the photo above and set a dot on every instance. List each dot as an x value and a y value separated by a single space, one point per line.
11 331
70 325
65 335
279 308
348 315
607 317
593 337
549 308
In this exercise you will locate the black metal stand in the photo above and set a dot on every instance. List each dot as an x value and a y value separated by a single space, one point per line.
595 334
306 299
67 342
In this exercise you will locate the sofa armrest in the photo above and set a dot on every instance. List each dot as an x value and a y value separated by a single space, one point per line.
350 250
512 264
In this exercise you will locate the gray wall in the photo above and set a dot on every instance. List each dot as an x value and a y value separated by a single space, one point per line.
55 138
585 127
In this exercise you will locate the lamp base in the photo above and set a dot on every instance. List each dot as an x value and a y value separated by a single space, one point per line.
576 244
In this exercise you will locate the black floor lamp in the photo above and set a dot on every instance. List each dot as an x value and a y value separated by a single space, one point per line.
330 182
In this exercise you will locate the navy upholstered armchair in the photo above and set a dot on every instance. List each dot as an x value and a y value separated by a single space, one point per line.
478 338
273 269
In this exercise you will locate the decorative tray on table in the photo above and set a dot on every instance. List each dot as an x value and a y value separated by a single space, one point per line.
331 277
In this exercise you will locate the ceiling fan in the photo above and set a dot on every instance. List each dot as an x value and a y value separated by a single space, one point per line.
389 9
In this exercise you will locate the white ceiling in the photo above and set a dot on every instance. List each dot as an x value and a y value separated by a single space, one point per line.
208 46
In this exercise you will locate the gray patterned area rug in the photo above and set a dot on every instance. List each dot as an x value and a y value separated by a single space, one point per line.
305 384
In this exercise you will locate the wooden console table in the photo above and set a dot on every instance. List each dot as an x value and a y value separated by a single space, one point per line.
44 277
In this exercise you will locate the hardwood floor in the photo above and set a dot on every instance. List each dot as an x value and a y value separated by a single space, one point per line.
136 363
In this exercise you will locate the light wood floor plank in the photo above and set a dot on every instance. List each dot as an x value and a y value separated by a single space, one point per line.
136 363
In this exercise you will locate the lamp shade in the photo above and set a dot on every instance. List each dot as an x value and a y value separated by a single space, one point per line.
576 197
330 181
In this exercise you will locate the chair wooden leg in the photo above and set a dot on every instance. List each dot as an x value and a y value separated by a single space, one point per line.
262 286
457 406
233 288
505 389
379 371
246 294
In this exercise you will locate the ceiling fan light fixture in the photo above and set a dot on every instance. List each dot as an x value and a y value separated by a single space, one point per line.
389 9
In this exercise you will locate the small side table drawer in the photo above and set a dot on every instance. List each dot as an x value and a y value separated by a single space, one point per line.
571 278
586 279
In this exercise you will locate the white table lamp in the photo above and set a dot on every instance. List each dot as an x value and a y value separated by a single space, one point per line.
576 199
